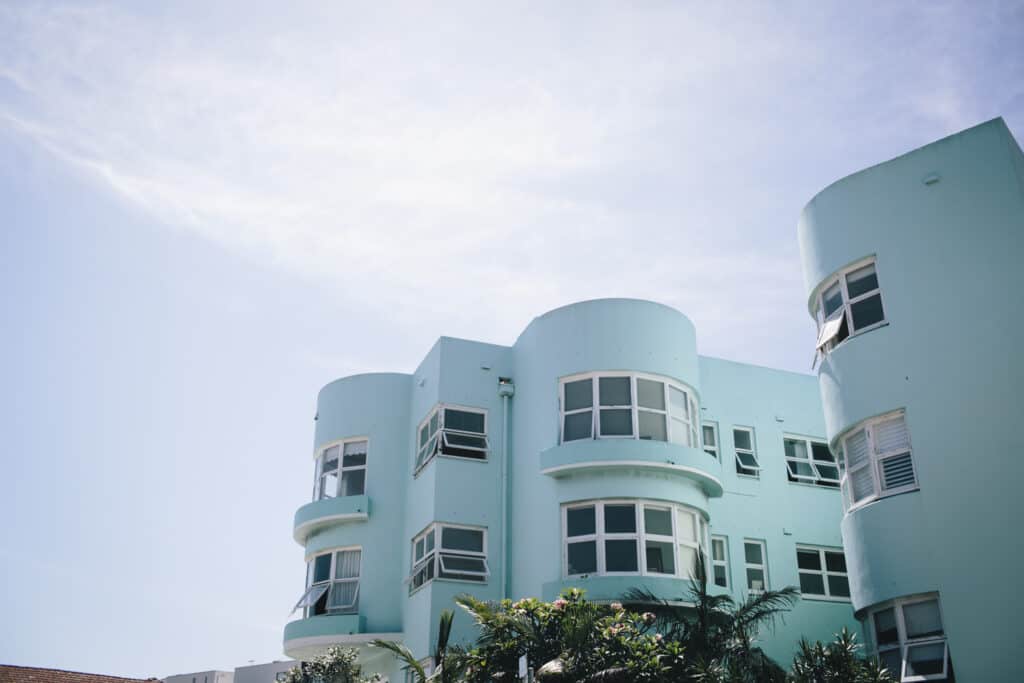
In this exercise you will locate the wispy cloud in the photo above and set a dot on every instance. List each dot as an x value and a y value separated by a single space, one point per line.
472 167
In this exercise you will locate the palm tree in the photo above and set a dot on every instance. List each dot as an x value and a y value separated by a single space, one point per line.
447 658
718 633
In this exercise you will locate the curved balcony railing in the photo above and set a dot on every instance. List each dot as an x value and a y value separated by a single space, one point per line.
319 514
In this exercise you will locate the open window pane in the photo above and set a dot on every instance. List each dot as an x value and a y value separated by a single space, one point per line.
580 521
462 564
462 539
660 557
614 391
464 420
652 426
830 329
658 521
465 441
312 594
579 394
620 555
747 460
617 422
578 426
620 519
583 557
343 597
322 568
353 483
650 394
801 470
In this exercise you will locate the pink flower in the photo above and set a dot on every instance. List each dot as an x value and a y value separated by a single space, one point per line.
560 603
617 606
649 618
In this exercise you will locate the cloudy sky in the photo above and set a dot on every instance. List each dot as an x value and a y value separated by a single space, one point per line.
209 212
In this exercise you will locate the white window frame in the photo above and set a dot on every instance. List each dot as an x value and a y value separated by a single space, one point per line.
905 644
715 449
818 479
321 587
318 473
436 440
763 566
873 461
752 452
679 430
640 535
724 562
433 559
826 338
824 572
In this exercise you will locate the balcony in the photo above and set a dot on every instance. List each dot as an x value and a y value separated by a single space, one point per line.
607 454
320 514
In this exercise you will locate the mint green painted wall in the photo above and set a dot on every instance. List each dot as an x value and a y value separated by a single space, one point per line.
613 334
948 261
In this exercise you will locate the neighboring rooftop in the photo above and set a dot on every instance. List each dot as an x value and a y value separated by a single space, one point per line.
32 674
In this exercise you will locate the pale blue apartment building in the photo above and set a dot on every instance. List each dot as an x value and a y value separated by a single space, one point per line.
601 451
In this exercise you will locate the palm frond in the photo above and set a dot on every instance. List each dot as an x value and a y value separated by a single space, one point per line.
404 655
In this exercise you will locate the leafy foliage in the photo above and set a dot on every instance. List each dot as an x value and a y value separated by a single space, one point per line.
448 659
836 662
336 665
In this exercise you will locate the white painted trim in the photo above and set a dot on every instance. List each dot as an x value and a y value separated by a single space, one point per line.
641 464
824 572
437 437
301 532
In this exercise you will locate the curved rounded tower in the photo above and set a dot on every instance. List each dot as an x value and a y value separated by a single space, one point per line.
912 268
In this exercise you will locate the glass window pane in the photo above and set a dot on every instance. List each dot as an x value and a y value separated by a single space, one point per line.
839 586
461 563
861 281
795 448
687 560
885 627
434 421
892 661
680 434
812 584
828 472
660 558
677 402
346 564
755 579
650 394
752 551
685 529
332 453
614 391
747 460
922 619
329 485
429 539
579 394
720 578
464 420
355 454
835 561
741 438
718 549
577 426
583 557
616 422
619 519
418 551
867 312
322 568
424 435
833 299
353 482
343 596
620 555
652 426
465 441
709 435
329 465
924 660
657 521
821 453
311 595
462 539
800 470
808 559
580 521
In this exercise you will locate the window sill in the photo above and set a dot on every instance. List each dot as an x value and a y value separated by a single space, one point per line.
870 328
823 598
755 477
814 486
416 590
869 503
460 458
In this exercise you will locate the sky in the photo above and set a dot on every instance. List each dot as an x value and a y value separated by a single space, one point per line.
209 210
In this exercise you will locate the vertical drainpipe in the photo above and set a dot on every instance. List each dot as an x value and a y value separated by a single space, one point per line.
506 390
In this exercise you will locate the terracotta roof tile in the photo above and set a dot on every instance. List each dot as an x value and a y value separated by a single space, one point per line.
31 674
